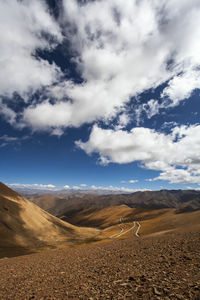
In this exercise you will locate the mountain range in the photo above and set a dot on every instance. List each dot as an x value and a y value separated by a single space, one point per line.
67 205
54 221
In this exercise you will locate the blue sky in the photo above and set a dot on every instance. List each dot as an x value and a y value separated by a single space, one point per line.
100 94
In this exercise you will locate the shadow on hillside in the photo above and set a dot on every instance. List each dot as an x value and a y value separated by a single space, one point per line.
15 238
86 219
9 252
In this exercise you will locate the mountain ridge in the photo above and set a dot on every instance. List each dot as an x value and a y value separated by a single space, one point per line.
181 200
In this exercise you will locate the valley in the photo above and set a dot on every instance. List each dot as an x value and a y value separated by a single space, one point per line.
26 228
100 249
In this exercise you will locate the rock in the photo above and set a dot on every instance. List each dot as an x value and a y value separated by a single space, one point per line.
137 288
125 284
180 297
143 278
156 291
117 281
187 257
131 278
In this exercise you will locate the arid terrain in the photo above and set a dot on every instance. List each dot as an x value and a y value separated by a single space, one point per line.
157 267
94 253
24 227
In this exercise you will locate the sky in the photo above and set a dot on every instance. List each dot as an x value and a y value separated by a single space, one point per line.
100 94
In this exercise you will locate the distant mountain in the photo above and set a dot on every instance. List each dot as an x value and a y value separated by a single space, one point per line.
181 200
29 192
25 226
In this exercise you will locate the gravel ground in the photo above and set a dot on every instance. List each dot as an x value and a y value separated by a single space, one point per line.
162 267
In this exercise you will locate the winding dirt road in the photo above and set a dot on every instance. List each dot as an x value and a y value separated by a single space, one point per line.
122 232
137 231
116 234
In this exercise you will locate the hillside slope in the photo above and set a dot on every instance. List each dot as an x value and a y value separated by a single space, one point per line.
111 215
152 221
159 267
25 225
69 205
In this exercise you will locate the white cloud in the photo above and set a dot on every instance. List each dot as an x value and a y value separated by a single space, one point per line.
57 131
176 155
22 28
8 114
11 140
32 186
83 185
66 187
152 107
181 87
122 146
178 176
76 187
7 138
123 121
129 181
122 49
116 189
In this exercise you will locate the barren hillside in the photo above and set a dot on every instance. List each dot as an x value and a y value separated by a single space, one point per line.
159 267
26 227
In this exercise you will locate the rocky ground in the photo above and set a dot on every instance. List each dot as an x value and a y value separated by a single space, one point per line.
157 267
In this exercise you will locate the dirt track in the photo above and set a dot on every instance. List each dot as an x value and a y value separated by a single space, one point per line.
162 267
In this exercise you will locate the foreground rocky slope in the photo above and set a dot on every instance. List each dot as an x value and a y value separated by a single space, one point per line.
25 227
159 267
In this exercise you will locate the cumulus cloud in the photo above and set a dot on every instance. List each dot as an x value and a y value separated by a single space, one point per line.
23 27
178 176
176 154
120 50
181 87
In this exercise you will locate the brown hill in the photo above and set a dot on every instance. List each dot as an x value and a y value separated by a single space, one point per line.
25 227
101 217
153 221
68 205
54 204
111 215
